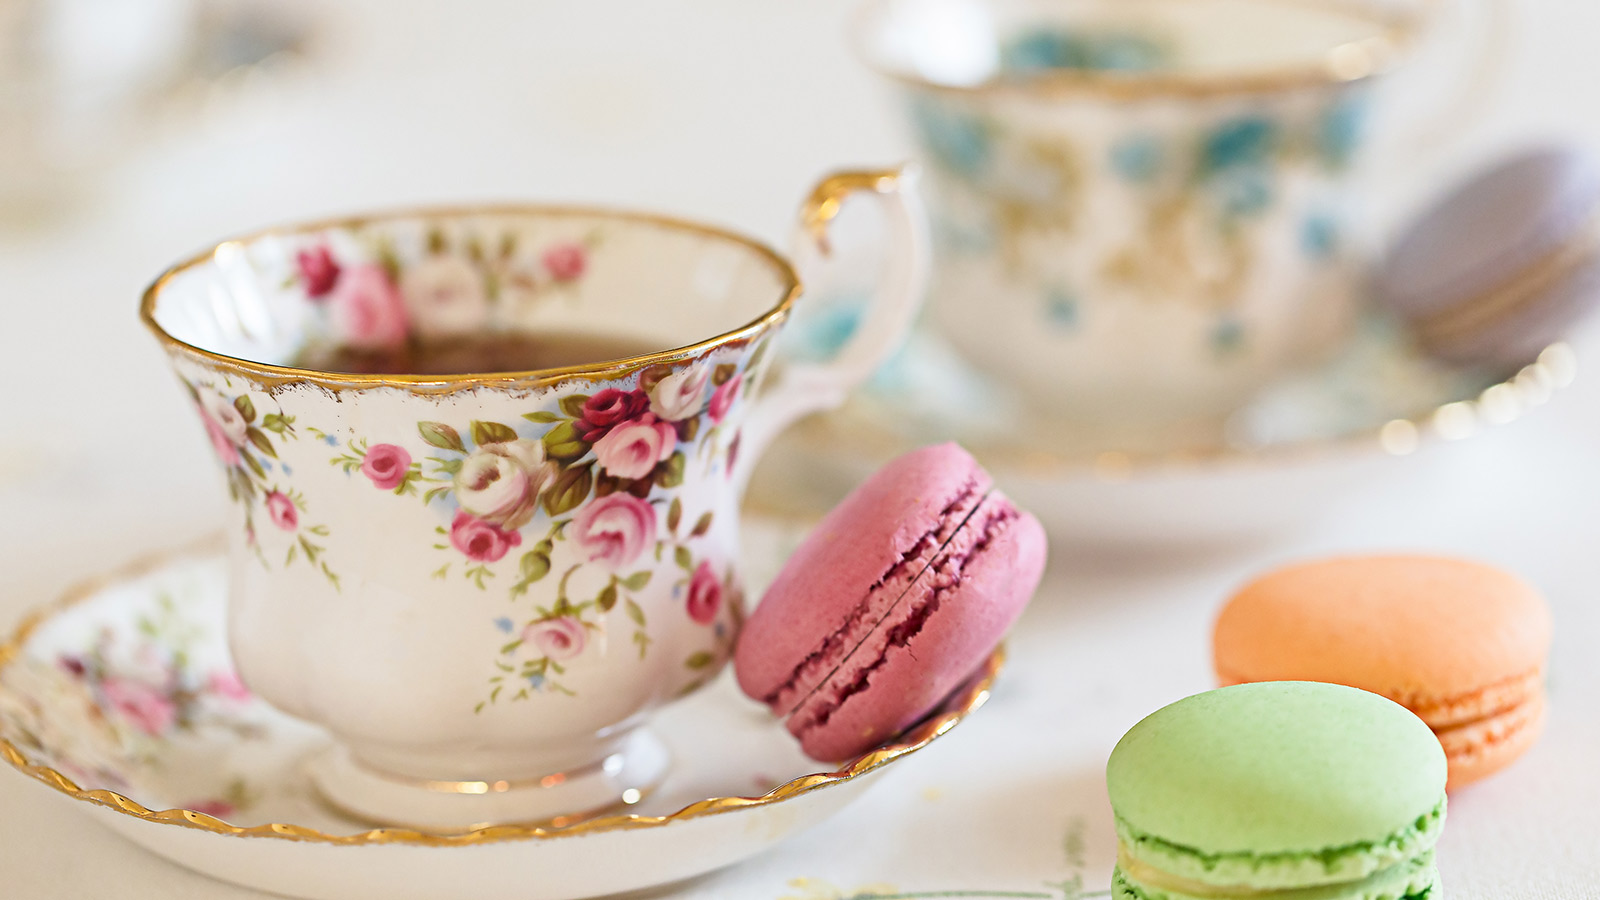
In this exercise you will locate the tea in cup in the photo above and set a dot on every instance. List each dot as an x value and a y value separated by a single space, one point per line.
485 468
1141 208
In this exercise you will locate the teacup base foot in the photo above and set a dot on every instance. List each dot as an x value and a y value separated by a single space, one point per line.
611 784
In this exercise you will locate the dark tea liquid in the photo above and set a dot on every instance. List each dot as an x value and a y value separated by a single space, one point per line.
511 352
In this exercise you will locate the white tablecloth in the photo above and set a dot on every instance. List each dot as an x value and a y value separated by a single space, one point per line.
726 110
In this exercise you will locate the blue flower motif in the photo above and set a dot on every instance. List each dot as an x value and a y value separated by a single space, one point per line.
330 440
266 464
504 624
1126 52
1228 334
1084 51
1341 129
1245 193
1243 142
536 681
1046 49
1319 236
1061 307
956 141
1137 158
285 468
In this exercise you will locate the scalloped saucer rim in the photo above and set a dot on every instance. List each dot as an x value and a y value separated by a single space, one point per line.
138 656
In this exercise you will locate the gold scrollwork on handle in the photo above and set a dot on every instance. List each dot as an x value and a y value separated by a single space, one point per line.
827 198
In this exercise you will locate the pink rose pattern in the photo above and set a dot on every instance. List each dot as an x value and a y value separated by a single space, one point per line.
704 595
144 684
722 398
246 442
282 511
608 409
225 683
598 473
145 707
318 270
632 450
374 301
615 529
559 639
386 465
226 450
566 262
480 541
367 309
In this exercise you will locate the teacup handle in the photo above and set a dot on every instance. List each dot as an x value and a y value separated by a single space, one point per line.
804 388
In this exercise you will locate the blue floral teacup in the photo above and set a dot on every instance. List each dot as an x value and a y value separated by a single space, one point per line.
1140 207
485 468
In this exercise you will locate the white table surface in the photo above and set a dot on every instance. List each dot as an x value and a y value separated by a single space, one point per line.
726 110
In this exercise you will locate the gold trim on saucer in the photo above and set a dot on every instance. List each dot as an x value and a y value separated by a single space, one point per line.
271 376
1345 63
1501 403
956 707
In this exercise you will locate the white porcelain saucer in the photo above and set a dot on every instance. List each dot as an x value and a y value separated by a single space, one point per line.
1378 415
121 698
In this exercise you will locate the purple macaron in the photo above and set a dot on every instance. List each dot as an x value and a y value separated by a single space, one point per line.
891 603
1505 265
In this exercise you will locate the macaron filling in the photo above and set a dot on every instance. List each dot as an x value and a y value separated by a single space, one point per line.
1471 726
1478 705
1283 870
901 624
880 600
1484 746
1479 315
1412 879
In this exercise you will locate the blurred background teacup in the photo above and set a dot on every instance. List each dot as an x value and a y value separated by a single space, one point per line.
1142 208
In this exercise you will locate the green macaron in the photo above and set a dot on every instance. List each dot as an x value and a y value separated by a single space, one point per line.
1287 790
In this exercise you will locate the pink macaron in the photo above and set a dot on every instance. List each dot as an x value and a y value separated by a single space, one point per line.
892 601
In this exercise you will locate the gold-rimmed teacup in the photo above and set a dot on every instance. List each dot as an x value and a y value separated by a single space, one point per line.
1143 209
485 468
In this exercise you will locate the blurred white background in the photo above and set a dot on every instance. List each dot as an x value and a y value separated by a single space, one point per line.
724 110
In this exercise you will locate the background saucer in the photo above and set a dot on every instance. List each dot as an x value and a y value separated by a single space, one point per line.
1378 415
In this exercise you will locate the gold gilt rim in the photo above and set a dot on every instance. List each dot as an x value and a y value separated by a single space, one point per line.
270 375
1345 63
954 709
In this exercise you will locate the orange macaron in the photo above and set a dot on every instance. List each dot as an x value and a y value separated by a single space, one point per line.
1461 644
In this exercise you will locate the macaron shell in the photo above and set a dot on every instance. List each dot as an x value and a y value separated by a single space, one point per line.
1278 785
937 636
1480 749
1490 229
1528 326
1433 634
856 563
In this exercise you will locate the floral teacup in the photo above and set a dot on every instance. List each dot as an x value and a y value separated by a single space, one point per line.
1140 206
481 584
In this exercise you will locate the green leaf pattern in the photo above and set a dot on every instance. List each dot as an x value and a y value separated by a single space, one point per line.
632 445
257 480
